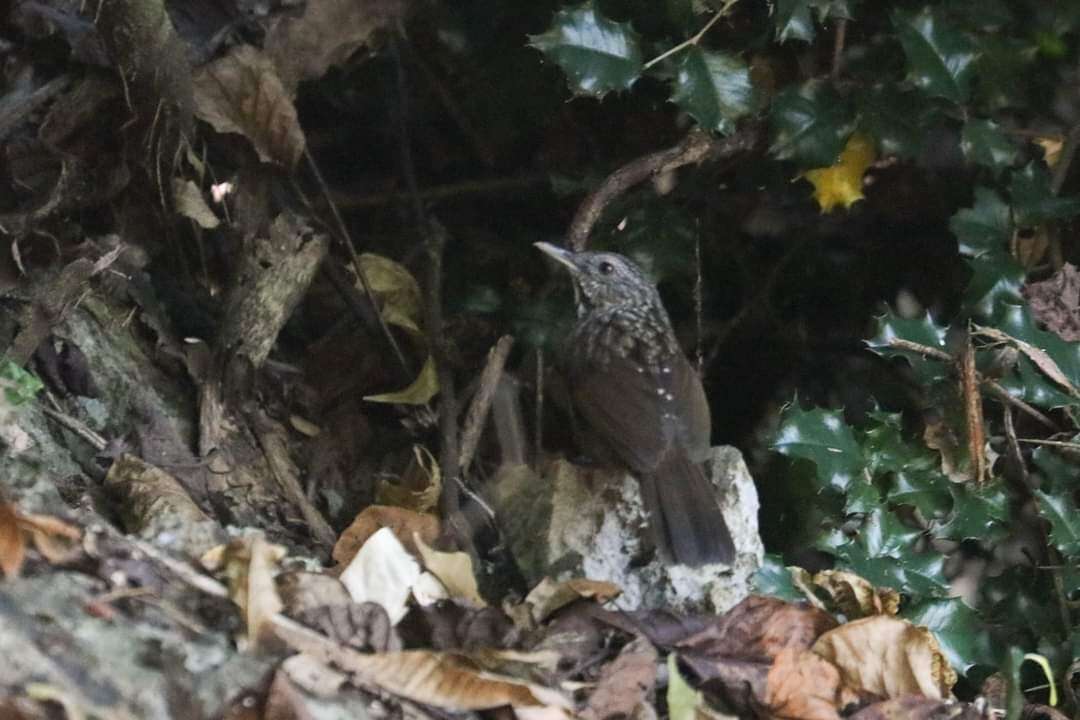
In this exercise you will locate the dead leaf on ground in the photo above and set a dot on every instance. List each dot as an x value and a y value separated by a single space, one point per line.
301 591
454 570
382 572
889 657
189 202
550 596
1055 302
916 707
403 523
398 293
450 681
52 537
1038 356
363 626
285 700
328 32
241 93
625 682
249 564
419 487
419 392
804 685
855 597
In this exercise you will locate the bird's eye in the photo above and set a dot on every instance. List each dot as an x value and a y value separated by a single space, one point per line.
606 268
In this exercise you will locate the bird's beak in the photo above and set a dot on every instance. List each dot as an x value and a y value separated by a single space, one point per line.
562 255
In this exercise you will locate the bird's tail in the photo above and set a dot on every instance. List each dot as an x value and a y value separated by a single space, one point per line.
684 514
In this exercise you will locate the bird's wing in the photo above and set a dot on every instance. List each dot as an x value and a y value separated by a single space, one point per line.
641 413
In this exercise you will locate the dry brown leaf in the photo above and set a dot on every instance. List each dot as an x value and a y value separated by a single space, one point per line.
454 570
382 572
1052 146
760 627
1036 355
938 436
1055 302
449 681
189 202
550 596
284 701
249 564
856 597
241 93
916 707
53 538
889 657
419 487
12 544
625 682
403 523
804 685
305 47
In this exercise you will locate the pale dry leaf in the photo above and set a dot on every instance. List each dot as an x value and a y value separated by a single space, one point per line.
285 700
428 590
419 487
449 681
327 34
549 596
382 572
401 521
400 300
249 564
304 426
241 93
1038 356
420 392
55 539
855 596
190 203
312 675
887 656
803 685
454 570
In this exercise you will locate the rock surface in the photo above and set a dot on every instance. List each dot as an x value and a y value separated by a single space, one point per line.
572 521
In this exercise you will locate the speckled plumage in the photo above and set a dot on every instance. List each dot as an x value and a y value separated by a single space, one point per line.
639 396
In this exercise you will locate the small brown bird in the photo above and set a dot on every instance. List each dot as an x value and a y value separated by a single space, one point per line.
641 399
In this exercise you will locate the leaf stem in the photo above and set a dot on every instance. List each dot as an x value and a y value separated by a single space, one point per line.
695 39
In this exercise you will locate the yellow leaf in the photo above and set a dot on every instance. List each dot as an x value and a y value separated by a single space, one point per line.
1051 146
397 291
423 388
841 184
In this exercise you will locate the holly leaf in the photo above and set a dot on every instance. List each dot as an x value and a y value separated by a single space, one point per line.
940 58
960 632
985 227
1033 200
842 182
713 88
773 578
822 437
1064 519
921 331
792 20
598 55
983 143
995 277
810 124
977 513
897 120
1016 321
923 490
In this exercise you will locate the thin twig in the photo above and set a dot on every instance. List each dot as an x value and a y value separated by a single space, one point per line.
838 48
695 147
481 402
694 40
539 422
993 386
1052 443
345 238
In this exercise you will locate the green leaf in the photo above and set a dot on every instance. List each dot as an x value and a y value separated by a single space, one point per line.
792 21
810 124
839 9
1058 469
959 630
924 490
1064 519
985 227
20 385
919 576
713 88
1033 387
995 278
940 58
1032 199
983 143
597 54
922 331
1004 68
978 514
1016 320
823 438
773 578
883 534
